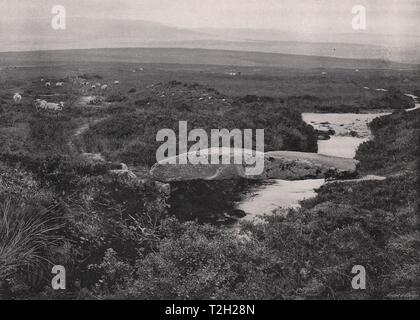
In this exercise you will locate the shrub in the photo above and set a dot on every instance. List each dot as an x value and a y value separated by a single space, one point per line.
392 99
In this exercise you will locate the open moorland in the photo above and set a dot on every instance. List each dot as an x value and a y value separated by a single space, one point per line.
75 186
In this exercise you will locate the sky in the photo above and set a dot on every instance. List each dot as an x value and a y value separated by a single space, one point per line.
308 16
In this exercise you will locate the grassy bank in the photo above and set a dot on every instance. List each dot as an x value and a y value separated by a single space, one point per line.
394 148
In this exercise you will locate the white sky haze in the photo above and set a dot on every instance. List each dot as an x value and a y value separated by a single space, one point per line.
309 16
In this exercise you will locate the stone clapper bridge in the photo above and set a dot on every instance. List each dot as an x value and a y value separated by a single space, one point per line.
285 165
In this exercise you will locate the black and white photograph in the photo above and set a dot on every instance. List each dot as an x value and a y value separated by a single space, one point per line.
209 150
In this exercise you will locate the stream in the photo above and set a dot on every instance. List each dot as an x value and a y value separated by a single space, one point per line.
351 130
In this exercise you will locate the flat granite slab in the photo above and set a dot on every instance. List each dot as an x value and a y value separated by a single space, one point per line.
287 165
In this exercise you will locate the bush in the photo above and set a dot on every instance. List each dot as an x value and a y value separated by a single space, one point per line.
394 146
392 99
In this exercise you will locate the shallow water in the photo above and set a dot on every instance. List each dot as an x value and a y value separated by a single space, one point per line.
278 193
342 123
345 147
288 194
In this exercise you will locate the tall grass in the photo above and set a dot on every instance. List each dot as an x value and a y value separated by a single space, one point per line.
26 237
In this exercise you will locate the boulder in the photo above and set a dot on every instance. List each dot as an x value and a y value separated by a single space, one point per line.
93 157
166 171
286 165
123 173
289 165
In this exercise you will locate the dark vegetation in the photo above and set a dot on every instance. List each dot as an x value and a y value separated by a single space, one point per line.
393 97
114 233
130 136
307 254
207 202
395 146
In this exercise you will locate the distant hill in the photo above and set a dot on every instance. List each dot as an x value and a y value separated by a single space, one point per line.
192 56
37 34
324 49
357 44
83 33
355 37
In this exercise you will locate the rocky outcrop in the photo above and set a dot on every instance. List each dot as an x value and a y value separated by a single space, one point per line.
277 165
290 165
93 158
121 174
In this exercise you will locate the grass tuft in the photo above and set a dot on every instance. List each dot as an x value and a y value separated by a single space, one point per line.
26 237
